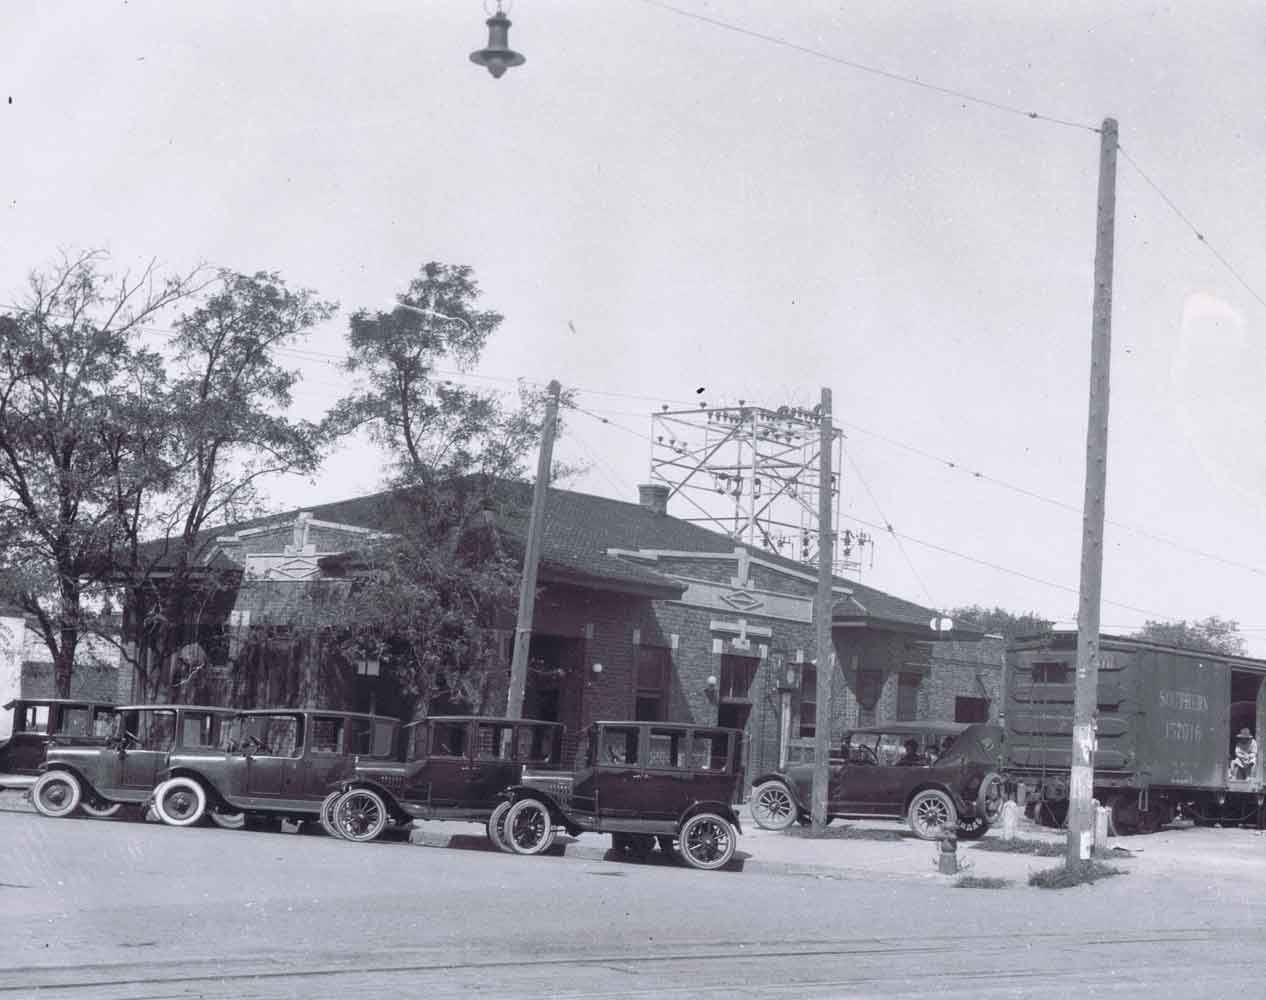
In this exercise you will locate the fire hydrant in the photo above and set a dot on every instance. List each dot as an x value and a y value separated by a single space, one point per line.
947 858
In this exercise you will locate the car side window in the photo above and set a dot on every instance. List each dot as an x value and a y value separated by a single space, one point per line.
448 739
494 742
862 748
200 729
35 719
535 744
327 735
273 735
384 738
102 722
709 751
419 741
157 731
891 747
74 721
666 749
618 746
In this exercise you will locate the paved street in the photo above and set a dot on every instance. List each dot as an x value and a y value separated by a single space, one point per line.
124 909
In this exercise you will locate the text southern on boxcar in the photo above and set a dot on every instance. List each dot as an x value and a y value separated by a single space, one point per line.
1166 729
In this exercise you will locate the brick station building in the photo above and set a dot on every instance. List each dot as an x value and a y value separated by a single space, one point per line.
639 615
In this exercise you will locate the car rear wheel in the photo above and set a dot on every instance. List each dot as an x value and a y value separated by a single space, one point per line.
972 829
496 827
707 841
180 801
328 823
529 828
930 813
228 820
56 794
99 808
773 806
361 815
991 798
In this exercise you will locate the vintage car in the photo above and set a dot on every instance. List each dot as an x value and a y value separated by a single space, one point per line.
454 767
38 723
935 775
271 764
644 783
101 779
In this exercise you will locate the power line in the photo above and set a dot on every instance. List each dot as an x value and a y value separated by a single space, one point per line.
862 67
1192 226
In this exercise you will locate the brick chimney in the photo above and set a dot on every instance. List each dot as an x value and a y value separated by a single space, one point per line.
654 497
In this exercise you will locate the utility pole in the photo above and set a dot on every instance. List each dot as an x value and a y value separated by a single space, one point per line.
532 559
1086 690
822 618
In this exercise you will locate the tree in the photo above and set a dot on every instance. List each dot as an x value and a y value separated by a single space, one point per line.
1214 634
1000 621
226 429
431 592
77 430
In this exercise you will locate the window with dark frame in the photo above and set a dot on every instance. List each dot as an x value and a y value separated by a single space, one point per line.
654 668
808 708
971 709
737 674
1052 672
908 697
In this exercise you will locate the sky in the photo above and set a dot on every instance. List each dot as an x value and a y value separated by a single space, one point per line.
658 204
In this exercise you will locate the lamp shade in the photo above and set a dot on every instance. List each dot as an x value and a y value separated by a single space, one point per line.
498 56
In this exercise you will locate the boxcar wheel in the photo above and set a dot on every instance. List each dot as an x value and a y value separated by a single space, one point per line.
361 815
930 812
180 801
56 794
773 806
496 827
707 841
529 828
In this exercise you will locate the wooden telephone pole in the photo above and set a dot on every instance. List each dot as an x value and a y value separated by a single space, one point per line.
532 559
1086 689
822 619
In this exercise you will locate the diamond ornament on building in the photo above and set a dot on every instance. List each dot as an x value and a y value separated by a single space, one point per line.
741 600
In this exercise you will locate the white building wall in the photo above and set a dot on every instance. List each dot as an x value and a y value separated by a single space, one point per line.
12 635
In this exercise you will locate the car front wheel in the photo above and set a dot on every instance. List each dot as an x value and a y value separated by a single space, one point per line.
56 794
930 813
328 823
529 828
180 802
707 841
361 815
773 806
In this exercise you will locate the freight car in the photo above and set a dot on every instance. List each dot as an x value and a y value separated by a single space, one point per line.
1165 730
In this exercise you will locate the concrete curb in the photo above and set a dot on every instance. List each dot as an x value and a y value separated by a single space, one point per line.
572 848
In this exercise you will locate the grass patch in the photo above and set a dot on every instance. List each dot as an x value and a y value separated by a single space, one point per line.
981 882
1024 845
1065 877
845 833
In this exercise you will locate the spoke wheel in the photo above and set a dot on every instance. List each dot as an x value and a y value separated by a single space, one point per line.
930 813
496 827
99 808
529 829
773 807
56 794
361 815
707 841
328 823
972 829
180 802
991 798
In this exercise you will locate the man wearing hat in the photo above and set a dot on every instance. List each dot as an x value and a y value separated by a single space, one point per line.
1245 755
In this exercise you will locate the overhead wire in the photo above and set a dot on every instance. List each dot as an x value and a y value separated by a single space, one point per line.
912 81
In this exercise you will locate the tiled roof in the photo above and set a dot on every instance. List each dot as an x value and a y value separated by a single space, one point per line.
580 531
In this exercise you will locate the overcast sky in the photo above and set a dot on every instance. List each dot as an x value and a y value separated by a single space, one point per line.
659 204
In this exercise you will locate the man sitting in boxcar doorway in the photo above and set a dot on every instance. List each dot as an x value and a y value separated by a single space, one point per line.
1245 758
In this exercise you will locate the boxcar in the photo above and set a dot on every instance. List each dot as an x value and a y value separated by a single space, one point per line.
1165 729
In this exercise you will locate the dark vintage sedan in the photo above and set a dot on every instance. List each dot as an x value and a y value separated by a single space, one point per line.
454 767
935 775
271 764
645 783
101 779
38 723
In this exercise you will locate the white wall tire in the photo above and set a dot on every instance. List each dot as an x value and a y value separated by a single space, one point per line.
773 806
707 841
180 801
228 820
528 827
104 810
56 794
328 823
361 815
496 827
